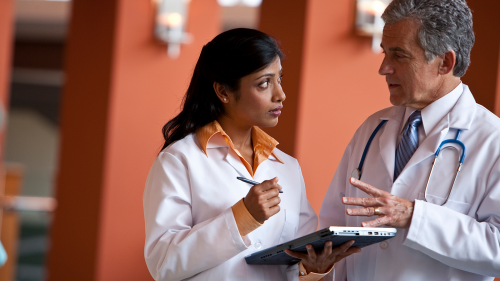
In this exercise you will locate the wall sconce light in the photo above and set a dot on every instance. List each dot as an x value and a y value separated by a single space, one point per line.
249 3
171 19
369 20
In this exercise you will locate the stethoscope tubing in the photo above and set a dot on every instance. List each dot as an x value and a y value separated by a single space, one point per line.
436 154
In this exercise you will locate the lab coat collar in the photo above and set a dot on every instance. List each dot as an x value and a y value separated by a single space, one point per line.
460 117
387 141
436 111
218 141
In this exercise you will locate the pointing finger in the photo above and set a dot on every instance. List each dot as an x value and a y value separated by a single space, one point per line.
375 192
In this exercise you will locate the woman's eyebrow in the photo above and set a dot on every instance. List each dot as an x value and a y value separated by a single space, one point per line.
268 74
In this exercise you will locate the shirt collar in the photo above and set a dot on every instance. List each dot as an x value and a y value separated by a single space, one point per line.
262 142
434 112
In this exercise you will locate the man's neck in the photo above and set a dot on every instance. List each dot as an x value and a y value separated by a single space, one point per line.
446 87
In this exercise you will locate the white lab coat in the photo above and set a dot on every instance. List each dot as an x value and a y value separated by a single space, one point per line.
457 241
191 233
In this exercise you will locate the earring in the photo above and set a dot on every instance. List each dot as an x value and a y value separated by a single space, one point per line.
225 99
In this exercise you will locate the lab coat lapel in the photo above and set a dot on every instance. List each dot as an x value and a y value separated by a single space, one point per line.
218 141
233 159
388 138
460 117
428 147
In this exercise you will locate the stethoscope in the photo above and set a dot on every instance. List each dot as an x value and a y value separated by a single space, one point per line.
356 173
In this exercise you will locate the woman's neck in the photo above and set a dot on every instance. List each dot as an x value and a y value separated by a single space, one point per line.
241 136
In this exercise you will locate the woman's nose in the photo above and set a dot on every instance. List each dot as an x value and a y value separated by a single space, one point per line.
279 94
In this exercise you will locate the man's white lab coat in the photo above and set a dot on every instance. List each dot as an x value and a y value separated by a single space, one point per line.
457 241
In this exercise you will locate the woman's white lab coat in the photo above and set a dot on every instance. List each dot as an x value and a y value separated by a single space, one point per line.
190 228
458 241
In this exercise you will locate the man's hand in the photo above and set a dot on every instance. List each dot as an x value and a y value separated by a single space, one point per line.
262 200
392 210
321 262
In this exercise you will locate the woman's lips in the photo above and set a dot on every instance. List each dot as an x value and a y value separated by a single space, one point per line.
276 112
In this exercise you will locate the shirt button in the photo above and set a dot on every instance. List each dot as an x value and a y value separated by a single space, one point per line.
257 245
384 245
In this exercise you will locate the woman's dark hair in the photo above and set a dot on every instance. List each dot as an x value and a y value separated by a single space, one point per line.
225 60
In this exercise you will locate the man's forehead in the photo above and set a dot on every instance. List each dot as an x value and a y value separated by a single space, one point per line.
400 35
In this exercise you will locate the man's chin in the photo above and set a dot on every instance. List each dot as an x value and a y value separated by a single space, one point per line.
396 100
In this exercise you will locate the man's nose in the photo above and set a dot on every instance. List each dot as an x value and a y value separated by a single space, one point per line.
385 68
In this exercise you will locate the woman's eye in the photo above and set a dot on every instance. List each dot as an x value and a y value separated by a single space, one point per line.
280 78
264 84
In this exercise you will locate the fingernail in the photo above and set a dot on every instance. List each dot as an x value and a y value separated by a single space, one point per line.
344 199
349 211
363 224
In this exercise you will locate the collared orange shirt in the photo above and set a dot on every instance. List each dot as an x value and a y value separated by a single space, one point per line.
263 144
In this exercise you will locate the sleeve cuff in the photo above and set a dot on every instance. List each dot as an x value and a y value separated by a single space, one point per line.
312 276
244 220
416 220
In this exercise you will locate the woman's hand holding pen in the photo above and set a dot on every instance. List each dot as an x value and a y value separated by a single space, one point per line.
262 200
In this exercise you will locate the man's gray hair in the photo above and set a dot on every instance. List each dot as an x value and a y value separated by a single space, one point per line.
445 25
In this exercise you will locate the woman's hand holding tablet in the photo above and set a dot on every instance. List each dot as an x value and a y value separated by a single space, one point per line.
323 261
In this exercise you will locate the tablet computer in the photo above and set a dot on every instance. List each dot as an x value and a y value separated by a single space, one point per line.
363 236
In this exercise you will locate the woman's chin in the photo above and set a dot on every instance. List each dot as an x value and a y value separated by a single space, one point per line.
269 123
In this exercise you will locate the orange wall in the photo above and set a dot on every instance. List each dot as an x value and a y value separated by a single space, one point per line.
6 43
340 88
287 26
483 75
121 88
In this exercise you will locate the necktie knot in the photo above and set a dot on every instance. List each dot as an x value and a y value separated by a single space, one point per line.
415 119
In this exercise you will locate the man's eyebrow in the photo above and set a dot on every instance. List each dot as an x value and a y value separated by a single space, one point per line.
398 49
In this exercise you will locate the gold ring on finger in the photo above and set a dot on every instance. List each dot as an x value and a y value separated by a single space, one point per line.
376 211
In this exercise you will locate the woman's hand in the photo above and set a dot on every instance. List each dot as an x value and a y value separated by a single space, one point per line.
262 200
323 261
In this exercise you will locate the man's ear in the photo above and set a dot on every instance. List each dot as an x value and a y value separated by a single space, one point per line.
221 92
448 62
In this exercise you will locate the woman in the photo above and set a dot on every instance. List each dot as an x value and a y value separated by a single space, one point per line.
200 220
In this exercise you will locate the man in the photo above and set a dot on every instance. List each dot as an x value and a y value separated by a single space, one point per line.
443 233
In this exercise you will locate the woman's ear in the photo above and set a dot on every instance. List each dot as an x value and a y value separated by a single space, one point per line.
448 62
221 92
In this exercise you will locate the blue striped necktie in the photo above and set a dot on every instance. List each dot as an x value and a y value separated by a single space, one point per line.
408 144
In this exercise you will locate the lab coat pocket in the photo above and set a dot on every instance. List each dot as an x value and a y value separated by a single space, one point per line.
460 207
289 227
